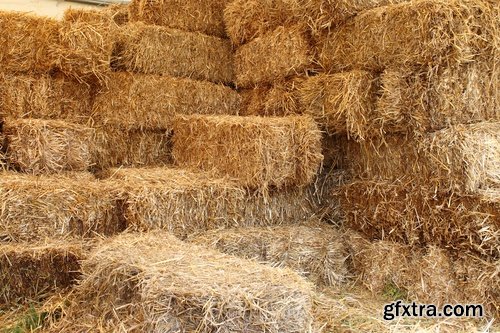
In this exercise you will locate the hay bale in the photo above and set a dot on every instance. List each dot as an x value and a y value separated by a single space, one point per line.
116 146
410 33
447 160
31 272
164 51
417 215
48 146
57 207
44 97
27 42
184 202
246 20
117 14
277 55
342 102
151 102
279 99
157 283
193 15
258 151
315 252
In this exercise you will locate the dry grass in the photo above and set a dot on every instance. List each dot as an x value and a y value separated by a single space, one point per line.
113 14
277 55
411 33
259 151
48 146
31 272
341 103
417 215
165 51
36 208
45 97
314 251
246 20
192 15
151 102
185 202
27 42
116 146
429 275
462 158
157 283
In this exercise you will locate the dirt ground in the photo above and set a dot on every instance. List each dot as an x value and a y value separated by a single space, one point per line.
53 8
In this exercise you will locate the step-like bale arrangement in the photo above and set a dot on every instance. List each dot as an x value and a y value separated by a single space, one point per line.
154 282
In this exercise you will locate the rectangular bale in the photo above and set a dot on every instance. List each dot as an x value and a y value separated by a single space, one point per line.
246 20
159 50
462 158
280 54
32 272
314 251
36 208
27 41
116 146
258 151
427 32
154 282
48 146
140 101
189 15
45 97
342 103
417 215
184 202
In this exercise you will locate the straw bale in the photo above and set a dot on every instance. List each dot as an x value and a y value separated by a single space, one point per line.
44 97
315 252
36 207
342 102
416 215
138 101
447 159
184 202
279 99
410 33
165 51
27 41
117 14
192 15
258 151
116 146
86 48
31 272
246 20
156 283
277 55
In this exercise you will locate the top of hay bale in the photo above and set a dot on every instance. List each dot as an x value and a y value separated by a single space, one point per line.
204 16
154 282
116 13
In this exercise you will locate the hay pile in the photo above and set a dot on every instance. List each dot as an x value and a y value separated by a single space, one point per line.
117 14
157 283
44 97
57 207
426 275
188 15
418 215
185 202
462 158
31 272
316 252
27 42
258 151
410 33
279 54
48 146
165 51
138 101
